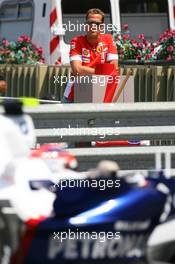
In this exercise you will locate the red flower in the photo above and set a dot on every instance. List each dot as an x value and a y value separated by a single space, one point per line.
151 47
145 42
170 48
138 57
125 27
20 39
134 43
169 33
42 60
139 45
5 42
39 51
24 49
148 56
24 39
141 36
2 51
169 58
126 37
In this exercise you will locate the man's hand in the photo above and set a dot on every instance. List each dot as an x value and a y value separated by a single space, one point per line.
79 69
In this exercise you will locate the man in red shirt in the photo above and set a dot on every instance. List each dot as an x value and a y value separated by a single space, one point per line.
89 50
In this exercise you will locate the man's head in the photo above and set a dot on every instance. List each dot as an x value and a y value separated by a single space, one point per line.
3 85
94 21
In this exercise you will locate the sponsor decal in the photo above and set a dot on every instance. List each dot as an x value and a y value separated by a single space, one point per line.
85 52
127 246
99 49
86 59
134 142
132 225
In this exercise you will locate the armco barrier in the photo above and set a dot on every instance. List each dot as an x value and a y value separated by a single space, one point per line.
128 158
103 115
151 83
102 122
116 121
90 122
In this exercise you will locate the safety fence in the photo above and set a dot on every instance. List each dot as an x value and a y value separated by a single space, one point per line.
128 158
34 80
87 123
151 83
104 122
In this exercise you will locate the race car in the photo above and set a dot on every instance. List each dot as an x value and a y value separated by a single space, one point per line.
54 154
161 244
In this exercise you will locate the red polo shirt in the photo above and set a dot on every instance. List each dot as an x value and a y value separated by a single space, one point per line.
81 50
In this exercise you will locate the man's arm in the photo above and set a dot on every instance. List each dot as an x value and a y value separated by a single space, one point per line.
76 59
115 62
79 69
